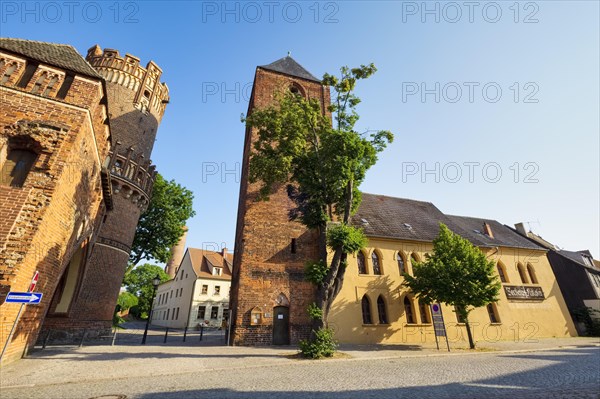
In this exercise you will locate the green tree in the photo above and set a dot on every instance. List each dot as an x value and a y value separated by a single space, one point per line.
139 283
456 273
126 300
323 167
162 224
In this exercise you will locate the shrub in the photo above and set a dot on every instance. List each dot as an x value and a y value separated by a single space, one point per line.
322 346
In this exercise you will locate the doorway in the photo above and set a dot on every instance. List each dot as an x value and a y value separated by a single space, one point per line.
281 325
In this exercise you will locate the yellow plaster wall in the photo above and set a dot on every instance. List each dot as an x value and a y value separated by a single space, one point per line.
519 319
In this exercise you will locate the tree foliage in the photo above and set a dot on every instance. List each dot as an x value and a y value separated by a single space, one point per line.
456 273
322 167
126 300
162 224
139 283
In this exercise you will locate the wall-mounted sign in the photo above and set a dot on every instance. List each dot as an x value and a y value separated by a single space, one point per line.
523 292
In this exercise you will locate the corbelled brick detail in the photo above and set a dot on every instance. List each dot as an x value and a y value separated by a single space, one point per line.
264 265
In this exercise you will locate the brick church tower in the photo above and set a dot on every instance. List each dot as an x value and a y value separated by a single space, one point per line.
269 296
136 103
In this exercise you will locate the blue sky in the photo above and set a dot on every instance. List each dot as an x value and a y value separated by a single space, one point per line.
494 105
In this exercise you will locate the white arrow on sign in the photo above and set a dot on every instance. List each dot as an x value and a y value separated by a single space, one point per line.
29 298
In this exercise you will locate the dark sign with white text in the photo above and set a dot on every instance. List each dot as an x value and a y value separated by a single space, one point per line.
523 292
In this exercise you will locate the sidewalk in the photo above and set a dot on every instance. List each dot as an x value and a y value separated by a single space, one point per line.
62 365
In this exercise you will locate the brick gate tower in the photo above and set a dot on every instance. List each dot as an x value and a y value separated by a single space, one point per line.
136 103
269 296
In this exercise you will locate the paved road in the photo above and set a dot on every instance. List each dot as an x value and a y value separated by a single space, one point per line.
256 374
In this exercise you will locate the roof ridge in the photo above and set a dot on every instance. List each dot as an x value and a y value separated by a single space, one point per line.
400 198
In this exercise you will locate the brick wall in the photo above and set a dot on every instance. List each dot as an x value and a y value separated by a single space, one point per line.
264 266
61 199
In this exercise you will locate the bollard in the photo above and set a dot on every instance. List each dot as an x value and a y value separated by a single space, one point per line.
185 334
166 334
201 332
46 339
82 337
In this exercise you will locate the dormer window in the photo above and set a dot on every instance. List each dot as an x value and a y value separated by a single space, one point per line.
217 271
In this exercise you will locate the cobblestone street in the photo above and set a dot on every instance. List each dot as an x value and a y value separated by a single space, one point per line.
174 372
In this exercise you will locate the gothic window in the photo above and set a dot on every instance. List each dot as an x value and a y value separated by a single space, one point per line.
531 272
51 85
401 266
360 259
492 313
376 263
8 72
366 310
502 272
408 309
16 167
424 313
381 310
37 86
522 273
414 258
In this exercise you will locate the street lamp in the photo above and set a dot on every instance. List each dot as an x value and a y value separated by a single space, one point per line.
155 283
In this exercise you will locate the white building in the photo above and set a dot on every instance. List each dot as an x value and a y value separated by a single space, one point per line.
199 292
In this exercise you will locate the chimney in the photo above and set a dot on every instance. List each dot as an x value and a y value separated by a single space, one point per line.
224 253
488 230
521 229
177 252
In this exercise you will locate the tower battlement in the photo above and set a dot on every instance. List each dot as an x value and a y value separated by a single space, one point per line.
150 94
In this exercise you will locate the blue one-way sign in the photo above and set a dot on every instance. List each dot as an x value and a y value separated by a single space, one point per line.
24 297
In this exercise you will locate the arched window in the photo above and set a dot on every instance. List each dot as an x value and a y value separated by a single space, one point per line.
360 259
16 167
414 258
366 310
400 260
410 317
522 273
502 272
37 86
50 85
383 319
531 272
424 313
492 313
8 72
376 263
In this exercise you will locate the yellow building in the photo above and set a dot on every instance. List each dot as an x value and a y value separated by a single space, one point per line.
374 307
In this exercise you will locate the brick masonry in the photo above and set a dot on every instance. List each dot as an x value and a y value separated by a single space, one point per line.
53 213
136 103
264 265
